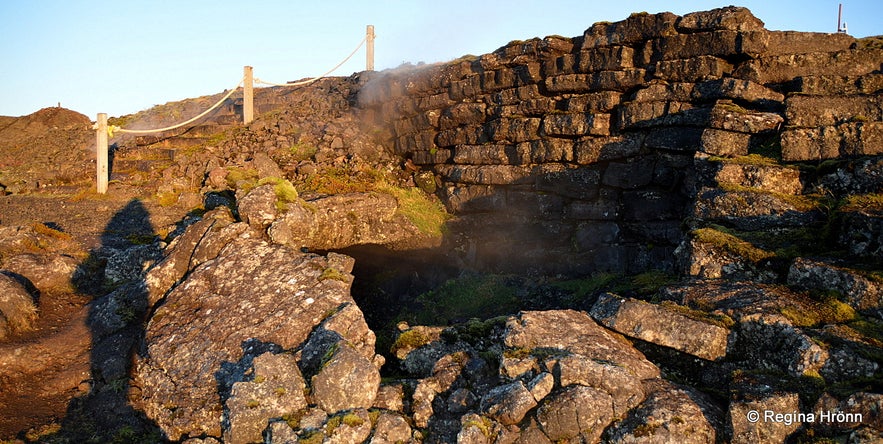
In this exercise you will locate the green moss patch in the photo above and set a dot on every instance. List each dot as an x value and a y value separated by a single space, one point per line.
302 151
718 237
243 178
718 319
824 309
469 296
590 286
410 340
750 159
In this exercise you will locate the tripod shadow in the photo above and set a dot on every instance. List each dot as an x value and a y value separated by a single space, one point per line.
113 276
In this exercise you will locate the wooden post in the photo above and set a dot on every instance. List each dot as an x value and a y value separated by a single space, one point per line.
369 51
839 16
248 96
101 153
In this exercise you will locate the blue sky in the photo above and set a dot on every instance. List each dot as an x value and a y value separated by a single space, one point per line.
124 56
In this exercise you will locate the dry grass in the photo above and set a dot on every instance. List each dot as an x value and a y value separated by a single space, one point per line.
90 193
44 230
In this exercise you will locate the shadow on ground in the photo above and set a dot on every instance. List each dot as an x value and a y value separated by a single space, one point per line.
112 275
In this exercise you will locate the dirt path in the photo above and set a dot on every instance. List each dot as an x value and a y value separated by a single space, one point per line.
42 371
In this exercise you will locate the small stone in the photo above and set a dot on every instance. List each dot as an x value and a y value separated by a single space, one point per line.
508 403
541 385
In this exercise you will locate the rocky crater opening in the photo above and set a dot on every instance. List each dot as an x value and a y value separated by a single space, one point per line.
651 229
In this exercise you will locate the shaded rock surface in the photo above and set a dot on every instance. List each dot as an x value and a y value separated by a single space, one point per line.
861 292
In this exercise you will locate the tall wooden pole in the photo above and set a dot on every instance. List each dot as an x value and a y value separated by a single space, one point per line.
101 153
369 51
839 17
248 96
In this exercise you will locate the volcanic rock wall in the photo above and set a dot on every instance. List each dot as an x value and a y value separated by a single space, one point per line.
582 149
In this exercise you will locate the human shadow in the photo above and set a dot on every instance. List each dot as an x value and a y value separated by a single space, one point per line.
113 274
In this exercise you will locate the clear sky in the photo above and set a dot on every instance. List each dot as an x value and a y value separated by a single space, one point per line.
124 56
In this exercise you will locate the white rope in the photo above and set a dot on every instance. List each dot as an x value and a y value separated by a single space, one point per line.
111 129
314 79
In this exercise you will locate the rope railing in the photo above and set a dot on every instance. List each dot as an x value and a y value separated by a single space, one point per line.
115 129
314 79
105 131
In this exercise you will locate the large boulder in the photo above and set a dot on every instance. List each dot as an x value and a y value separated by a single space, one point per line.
753 209
576 333
772 178
578 412
252 298
772 342
347 380
48 273
508 403
200 242
340 221
731 17
258 208
597 376
666 325
765 317
852 138
713 254
391 428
